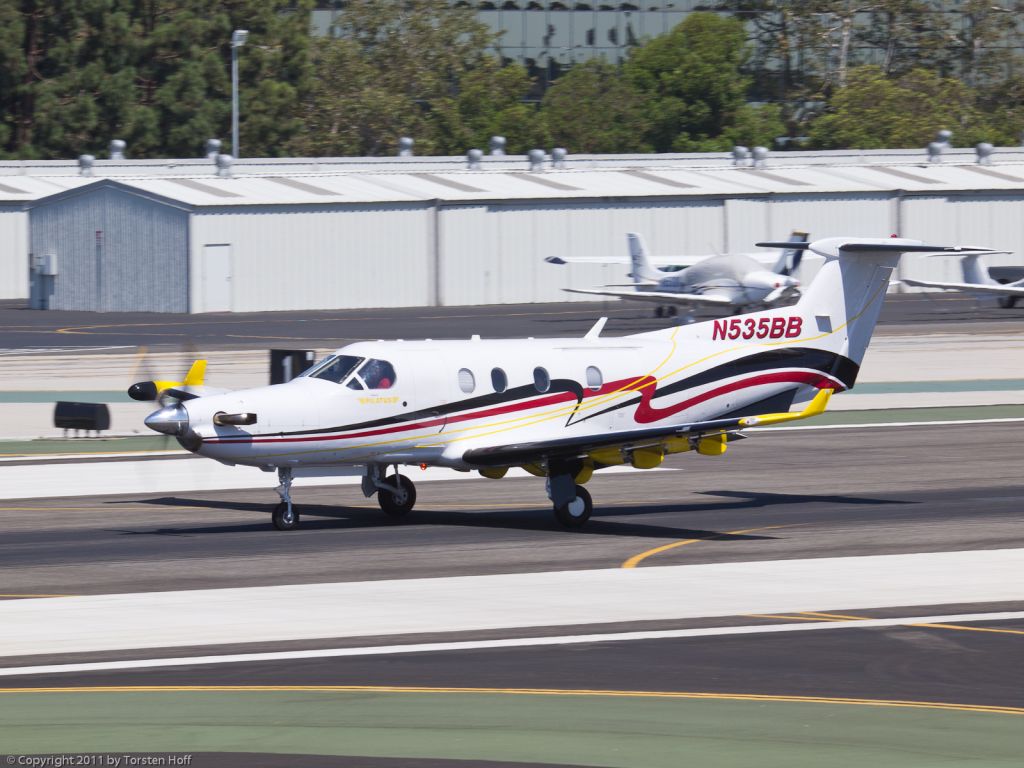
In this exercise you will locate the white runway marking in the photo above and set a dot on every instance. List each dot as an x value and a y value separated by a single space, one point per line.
38 481
506 601
519 642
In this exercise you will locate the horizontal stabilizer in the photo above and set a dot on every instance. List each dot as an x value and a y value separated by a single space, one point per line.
994 289
658 297
814 408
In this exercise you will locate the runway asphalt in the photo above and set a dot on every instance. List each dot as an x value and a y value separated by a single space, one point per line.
24 329
853 492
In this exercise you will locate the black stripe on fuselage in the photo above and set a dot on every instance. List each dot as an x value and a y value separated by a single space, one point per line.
836 366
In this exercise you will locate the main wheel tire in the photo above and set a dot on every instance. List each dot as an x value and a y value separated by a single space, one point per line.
576 513
659 311
1007 302
285 519
401 503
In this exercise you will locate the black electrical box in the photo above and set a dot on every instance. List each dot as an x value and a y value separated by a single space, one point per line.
286 364
88 416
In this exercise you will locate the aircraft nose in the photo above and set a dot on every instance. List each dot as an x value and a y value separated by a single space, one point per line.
170 420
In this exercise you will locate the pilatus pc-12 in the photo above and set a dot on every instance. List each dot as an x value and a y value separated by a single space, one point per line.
560 408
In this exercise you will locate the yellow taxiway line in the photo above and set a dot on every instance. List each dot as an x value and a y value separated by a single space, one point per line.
376 689
635 560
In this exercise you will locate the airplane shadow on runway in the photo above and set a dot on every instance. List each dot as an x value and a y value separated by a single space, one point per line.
525 518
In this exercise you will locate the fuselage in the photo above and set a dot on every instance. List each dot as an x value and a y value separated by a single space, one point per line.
738 278
442 398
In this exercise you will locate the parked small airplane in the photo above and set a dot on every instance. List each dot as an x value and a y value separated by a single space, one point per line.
736 281
559 408
978 281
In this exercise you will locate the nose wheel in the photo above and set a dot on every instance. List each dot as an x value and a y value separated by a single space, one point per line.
285 517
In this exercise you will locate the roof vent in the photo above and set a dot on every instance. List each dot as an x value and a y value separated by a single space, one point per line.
224 166
536 158
117 147
474 158
940 145
760 156
85 163
497 145
405 146
740 156
558 157
212 149
984 150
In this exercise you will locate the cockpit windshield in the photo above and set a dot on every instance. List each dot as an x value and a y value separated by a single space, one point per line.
354 372
335 368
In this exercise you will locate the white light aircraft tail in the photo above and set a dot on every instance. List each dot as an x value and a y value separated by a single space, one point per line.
643 270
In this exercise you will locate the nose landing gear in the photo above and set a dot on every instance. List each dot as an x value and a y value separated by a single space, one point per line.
285 516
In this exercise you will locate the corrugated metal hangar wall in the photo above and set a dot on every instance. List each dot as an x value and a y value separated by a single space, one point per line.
366 239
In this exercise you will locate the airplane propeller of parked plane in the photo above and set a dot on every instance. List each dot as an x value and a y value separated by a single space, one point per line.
729 281
977 280
560 408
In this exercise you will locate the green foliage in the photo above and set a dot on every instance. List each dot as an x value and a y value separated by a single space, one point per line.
876 112
692 82
75 74
417 68
592 109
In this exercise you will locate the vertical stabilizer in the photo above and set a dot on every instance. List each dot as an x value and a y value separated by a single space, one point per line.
975 269
643 271
789 258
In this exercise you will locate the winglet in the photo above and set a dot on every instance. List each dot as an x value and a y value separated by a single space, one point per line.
196 374
814 408
594 332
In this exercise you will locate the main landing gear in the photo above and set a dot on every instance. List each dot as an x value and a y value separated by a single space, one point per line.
396 494
572 502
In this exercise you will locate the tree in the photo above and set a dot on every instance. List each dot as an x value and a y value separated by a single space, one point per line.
410 68
75 74
593 109
876 112
692 82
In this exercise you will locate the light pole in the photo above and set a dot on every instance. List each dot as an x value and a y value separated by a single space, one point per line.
238 38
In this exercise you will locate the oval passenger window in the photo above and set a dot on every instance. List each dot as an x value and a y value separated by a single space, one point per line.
467 382
594 377
499 380
541 380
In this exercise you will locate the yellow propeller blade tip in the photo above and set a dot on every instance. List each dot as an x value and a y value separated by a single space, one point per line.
196 374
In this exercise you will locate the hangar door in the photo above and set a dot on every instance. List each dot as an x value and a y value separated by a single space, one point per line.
216 278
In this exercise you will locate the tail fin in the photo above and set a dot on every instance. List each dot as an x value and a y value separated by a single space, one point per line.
975 270
840 307
643 271
789 258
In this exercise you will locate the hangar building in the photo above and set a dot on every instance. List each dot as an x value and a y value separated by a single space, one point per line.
428 231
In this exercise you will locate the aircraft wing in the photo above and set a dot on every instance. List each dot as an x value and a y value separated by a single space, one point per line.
658 297
999 290
575 447
658 261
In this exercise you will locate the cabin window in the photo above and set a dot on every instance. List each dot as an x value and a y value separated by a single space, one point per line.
467 381
499 380
541 380
594 377
335 368
378 374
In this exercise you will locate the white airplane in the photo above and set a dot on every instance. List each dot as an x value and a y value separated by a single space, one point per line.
736 281
977 280
559 408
